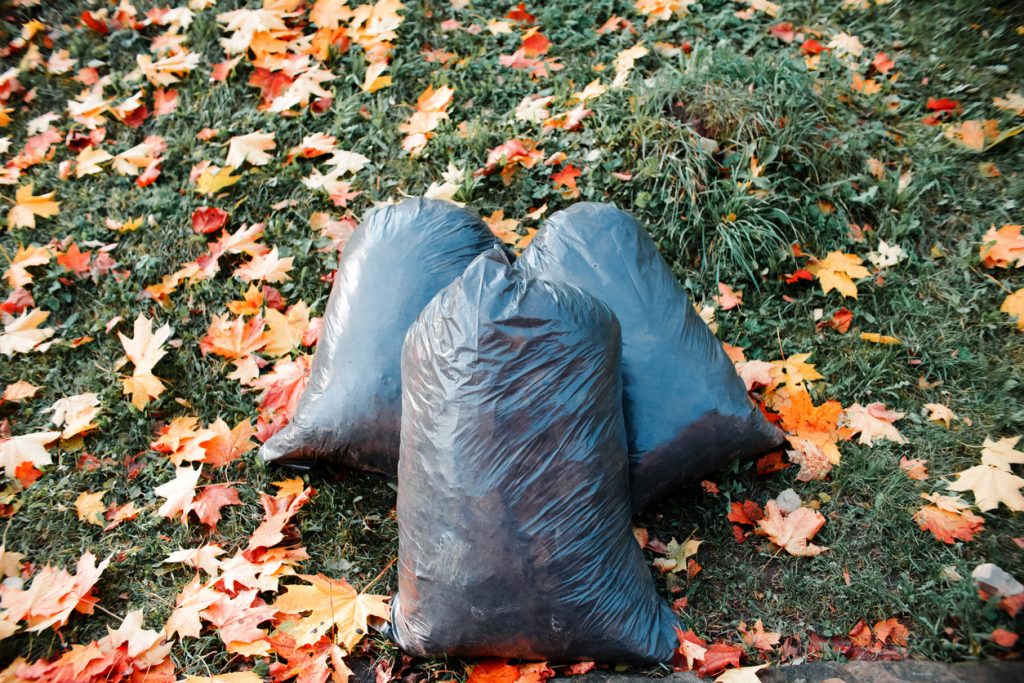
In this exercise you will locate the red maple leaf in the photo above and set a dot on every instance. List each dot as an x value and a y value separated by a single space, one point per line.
207 219
566 177
75 260
719 657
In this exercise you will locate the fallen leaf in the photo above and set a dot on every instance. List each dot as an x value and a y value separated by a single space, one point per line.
836 271
793 531
27 207
329 603
991 486
938 412
90 507
948 518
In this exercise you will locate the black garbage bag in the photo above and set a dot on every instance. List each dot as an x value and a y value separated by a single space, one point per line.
514 534
687 411
396 261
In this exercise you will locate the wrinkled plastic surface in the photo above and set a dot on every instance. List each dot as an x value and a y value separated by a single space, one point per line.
513 496
395 262
687 411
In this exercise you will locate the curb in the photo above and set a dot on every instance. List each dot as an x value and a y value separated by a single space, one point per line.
850 672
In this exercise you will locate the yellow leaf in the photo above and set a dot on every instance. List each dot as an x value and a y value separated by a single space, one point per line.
26 207
144 351
90 507
329 603
1013 305
89 159
941 413
991 486
836 271
795 370
209 183
876 338
284 330
375 80
143 387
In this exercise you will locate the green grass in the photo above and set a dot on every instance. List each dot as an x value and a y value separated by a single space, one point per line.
740 87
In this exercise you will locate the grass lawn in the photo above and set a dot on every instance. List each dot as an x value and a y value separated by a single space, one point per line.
728 142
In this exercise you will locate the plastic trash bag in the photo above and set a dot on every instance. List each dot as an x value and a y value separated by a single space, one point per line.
395 262
514 535
687 411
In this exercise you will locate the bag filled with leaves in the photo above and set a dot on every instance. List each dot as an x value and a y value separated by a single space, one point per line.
687 411
395 262
513 494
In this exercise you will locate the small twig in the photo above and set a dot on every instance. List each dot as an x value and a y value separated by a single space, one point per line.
382 572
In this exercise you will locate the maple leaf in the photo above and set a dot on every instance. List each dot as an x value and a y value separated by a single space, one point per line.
743 674
283 386
144 351
278 512
54 595
1002 453
233 339
431 108
19 391
195 597
757 637
207 219
914 467
948 518
27 207
677 555
625 61
118 514
252 147
75 414
27 448
329 603
567 178
1003 247
237 622
795 370
662 10
179 492
836 271
873 422
209 503
312 664
991 485
940 413
23 334
691 648
285 330
718 657
728 299
90 507
1013 305
211 183
17 272
792 532
204 557
269 267
227 444
89 159
75 260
